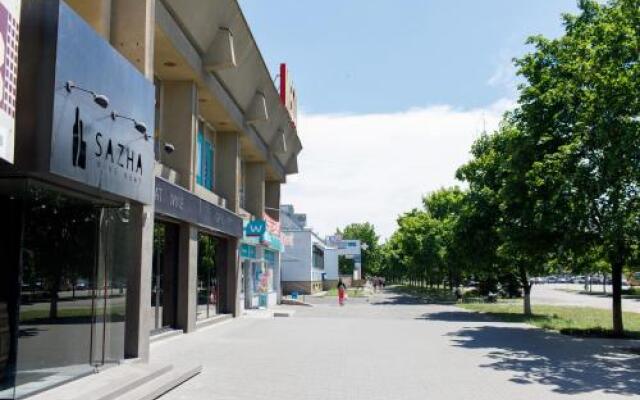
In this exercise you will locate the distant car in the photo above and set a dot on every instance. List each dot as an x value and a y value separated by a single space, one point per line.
552 279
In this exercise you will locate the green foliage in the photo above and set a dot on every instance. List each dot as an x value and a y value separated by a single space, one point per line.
556 187
366 233
345 265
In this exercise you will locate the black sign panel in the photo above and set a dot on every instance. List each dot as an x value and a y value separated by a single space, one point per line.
103 114
176 202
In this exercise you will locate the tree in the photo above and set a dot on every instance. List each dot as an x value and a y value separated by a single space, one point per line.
499 173
445 206
366 233
581 103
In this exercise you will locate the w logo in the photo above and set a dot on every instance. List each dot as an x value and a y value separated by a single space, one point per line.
255 228
79 144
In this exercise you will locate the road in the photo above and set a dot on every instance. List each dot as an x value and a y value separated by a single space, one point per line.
391 346
568 294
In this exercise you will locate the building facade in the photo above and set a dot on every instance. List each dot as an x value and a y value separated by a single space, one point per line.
148 134
303 260
350 249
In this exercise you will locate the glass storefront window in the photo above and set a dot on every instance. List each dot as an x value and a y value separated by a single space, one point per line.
207 288
74 257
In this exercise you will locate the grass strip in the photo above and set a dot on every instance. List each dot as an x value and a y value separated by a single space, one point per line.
568 320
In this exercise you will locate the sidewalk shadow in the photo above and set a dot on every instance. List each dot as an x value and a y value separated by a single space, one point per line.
395 296
571 365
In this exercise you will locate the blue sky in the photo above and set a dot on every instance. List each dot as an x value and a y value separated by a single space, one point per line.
382 56
392 93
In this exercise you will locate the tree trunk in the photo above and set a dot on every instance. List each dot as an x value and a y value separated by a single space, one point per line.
616 280
526 288
527 300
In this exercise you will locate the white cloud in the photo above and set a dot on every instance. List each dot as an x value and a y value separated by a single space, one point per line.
505 75
372 167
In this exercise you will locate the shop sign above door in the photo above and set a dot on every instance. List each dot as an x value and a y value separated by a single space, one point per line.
94 106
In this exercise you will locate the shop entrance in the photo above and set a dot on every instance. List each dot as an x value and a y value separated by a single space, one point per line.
208 290
164 276
65 278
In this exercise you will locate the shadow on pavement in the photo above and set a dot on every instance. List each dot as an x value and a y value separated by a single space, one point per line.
395 296
572 365
459 316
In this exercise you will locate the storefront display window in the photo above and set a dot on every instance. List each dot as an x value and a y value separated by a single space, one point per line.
75 254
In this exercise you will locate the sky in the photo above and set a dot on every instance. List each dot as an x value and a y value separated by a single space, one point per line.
391 94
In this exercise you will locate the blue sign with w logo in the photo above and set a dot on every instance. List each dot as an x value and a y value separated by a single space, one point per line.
255 228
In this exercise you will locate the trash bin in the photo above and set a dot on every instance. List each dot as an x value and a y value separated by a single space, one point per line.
294 295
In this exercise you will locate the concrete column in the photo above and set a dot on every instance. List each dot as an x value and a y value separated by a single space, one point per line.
272 199
229 276
132 32
139 284
255 188
227 168
96 12
132 28
179 127
187 277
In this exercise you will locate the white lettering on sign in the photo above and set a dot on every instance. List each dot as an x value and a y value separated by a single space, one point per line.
176 201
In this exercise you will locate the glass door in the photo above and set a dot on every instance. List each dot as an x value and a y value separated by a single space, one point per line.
164 277
114 243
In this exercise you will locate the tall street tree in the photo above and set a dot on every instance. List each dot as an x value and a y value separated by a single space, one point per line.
581 100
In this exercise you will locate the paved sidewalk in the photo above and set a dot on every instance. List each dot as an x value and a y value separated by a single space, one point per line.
391 347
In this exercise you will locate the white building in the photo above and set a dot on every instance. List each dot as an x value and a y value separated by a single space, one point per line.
349 248
303 260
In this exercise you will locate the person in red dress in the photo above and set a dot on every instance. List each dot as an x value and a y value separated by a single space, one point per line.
342 291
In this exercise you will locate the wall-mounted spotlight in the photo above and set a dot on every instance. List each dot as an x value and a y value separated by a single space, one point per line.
140 126
99 99
169 147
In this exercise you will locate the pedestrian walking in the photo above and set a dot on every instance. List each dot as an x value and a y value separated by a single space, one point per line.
342 291
459 292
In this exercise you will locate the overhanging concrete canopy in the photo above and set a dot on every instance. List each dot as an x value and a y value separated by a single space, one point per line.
201 22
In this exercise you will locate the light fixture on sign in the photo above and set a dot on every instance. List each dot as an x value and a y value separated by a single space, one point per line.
140 126
99 99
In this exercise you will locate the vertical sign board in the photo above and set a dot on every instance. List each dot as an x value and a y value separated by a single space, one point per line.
9 17
288 93
106 147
